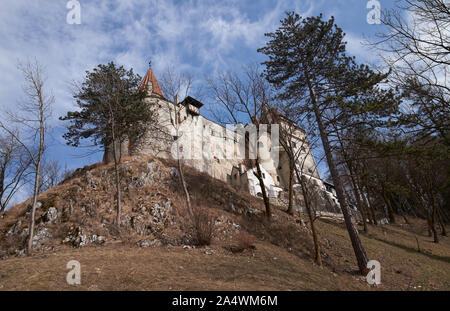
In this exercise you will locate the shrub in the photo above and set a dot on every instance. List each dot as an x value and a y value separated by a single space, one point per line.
198 225
245 240
49 201
203 225
241 242
12 243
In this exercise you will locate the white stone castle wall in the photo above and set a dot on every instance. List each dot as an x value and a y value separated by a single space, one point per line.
208 146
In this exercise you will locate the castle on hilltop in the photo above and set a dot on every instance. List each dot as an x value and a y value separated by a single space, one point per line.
183 132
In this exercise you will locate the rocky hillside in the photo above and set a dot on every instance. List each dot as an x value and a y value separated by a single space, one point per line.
81 211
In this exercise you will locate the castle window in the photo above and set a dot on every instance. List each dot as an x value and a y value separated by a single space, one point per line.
260 144
264 175
278 178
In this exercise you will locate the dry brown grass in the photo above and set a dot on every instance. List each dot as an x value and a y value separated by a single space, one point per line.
267 267
170 268
281 256
241 241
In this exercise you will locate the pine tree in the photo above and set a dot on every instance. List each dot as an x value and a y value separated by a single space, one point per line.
309 67
112 110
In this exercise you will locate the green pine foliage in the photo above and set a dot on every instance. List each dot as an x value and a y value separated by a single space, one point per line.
109 100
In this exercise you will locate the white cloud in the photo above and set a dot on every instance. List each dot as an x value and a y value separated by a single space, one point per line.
357 46
199 36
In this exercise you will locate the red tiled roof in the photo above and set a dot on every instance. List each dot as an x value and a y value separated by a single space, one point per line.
150 77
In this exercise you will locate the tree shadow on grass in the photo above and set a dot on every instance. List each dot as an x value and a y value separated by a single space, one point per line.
392 243
414 250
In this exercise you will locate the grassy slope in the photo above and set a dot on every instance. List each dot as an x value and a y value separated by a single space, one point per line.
269 267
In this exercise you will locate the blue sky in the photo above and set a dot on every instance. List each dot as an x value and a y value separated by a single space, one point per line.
200 37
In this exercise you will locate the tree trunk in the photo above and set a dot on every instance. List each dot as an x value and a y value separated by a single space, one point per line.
179 164
441 223
318 256
431 228
363 199
435 211
183 183
402 212
290 209
390 210
370 212
258 174
349 164
371 207
361 209
263 189
36 179
444 216
117 180
358 248
313 230
2 183
33 209
358 199
398 204
367 208
433 223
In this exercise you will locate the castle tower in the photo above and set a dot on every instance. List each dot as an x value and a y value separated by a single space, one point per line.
158 137
150 83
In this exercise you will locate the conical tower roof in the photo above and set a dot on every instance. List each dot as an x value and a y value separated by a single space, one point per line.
151 78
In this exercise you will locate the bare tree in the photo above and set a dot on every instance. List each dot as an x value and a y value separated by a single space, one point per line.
416 46
243 99
33 117
176 125
66 173
295 144
51 175
173 84
14 164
